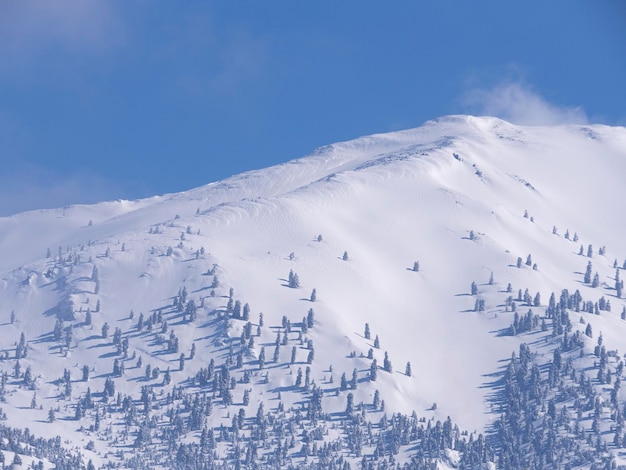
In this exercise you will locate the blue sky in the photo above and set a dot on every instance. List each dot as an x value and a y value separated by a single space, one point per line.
126 99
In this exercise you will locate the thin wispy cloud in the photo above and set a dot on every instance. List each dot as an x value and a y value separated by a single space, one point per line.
31 187
31 32
80 24
518 103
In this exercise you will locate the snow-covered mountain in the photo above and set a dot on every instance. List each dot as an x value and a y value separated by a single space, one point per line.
445 242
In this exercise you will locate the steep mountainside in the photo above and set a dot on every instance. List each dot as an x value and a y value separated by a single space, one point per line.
444 242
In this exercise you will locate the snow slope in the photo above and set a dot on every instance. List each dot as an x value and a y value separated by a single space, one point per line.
387 200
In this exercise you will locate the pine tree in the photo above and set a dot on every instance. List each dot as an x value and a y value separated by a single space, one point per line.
596 280
294 281
387 363
344 382
407 370
246 312
373 371
367 331
167 377
78 411
349 404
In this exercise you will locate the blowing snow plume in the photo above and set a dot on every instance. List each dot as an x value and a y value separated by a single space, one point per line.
518 103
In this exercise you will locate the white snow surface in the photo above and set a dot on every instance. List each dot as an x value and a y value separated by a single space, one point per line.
387 200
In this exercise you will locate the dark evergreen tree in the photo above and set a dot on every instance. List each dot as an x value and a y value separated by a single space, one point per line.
537 300
116 368
294 281
167 377
387 363
310 318
246 312
596 280
373 371
349 404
